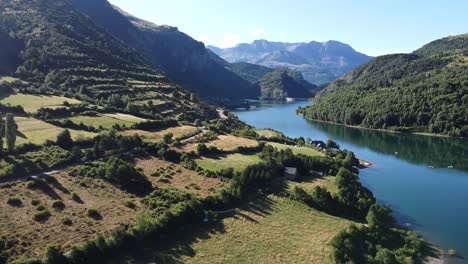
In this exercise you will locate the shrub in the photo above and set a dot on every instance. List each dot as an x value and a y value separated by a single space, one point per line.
35 202
67 221
64 139
94 213
40 207
41 216
53 255
57 204
15 200
451 252
75 197
129 204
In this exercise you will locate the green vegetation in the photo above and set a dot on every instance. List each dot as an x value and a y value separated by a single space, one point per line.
220 162
10 131
285 83
15 200
58 204
106 121
94 213
270 229
309 151
32 103
420 92
41 215
38 132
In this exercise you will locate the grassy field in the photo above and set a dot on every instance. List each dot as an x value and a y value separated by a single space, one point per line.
229 142
8 79
298 150
31 103
107 120
31 130
308 184
235 161
267 133
266 230
33 236
178 132
167 175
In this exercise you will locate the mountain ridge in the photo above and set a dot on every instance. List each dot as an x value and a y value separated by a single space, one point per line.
320 62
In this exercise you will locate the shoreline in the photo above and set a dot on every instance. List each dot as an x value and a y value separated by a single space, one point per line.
382 130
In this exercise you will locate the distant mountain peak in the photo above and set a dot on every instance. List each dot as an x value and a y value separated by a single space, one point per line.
320 62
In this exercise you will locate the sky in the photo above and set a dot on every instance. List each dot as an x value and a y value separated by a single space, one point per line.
374 27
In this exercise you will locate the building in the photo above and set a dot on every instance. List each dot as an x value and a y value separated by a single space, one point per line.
290 173
318 143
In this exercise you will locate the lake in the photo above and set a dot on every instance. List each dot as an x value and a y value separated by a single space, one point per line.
424 179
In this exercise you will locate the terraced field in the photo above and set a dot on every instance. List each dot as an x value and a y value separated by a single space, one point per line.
298 150
107 121
31 103
31 130
235 161
156 136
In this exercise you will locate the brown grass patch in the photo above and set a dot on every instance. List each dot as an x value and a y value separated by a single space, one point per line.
33 237
229 142
178 132
174 175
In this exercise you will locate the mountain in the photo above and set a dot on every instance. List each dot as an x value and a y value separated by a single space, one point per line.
184 60
60 51
283 83
319 62
425 91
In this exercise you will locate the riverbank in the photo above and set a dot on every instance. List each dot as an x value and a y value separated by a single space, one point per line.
380 129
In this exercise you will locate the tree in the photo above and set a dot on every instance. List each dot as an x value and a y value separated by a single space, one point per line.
385 256
167 138
10 131
202 149
64 139
53 255
332 144
379 216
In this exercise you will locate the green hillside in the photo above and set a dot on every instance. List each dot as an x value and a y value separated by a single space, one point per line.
64 53
425 91
283 83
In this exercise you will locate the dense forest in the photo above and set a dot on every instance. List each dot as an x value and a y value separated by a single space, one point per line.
283 83
425 91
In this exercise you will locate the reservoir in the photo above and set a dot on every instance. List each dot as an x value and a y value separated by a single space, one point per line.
424 179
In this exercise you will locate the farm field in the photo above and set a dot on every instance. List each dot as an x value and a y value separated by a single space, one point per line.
31 130
235 161
33 236
107 120
298 150
267 133
156 136
167 175
224 143
31 103
271 229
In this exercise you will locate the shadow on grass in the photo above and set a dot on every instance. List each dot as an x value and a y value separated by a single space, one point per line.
173 247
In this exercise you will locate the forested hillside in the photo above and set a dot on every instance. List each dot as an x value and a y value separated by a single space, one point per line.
425 91
283 83
62 52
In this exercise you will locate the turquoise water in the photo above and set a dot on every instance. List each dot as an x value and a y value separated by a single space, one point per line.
411 172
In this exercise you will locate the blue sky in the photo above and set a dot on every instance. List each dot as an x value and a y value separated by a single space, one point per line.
374 27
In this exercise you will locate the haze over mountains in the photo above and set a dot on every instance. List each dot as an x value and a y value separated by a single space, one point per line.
320 63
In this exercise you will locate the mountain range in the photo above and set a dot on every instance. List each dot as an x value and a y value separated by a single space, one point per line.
424 91
320 62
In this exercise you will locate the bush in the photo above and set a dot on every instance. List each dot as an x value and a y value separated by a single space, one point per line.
53 255
41 216
35 202
94 213
130 204
67 221
57 204
75 197
15 200
40 207
64 139
452 252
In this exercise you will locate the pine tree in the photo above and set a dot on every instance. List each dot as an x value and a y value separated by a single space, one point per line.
2 133
10 131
